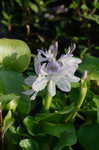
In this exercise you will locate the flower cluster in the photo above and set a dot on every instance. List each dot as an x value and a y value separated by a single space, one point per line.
51 72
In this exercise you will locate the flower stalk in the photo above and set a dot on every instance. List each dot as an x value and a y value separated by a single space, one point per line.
82 95
81 98
47 102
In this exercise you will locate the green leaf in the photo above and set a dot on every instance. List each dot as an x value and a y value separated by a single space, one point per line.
11 143
14 54
6 16
59 101
56 115
20 104
29 144
29 124
24 106
91 64
8 121
56 129
89 137
8 100
96 4
44 145
93 17
73 5
19 2
84 7
97 47
40 2
5 22
68 138
96 100
53 129
11 82
33 7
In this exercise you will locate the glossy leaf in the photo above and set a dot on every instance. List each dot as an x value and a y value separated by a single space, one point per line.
96 100
89 137
90 64
29 124
68 138
11 82
8 121
14 54
24 106
57 129
6 103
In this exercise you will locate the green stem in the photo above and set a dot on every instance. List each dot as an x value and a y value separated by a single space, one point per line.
70 148
80 100
82 95
48 102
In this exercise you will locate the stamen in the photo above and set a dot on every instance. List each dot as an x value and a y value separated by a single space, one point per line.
71 48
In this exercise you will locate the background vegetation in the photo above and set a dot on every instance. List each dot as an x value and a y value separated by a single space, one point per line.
39 22
23 124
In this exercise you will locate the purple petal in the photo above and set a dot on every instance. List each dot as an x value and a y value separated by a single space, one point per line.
53 67
53 49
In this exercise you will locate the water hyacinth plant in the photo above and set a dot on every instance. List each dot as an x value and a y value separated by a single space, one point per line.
52 72
64 103
62 83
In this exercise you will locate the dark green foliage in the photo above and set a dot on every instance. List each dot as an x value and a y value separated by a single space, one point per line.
88 137
39 22
11 82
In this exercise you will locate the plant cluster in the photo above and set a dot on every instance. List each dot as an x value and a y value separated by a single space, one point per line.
50 119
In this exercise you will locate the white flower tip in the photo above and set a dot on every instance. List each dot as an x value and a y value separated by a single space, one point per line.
53 49
28 92
56 44
33 97
79 61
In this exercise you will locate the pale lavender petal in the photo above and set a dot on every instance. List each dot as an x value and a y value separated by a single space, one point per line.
75 60
69 60
70 64
69 69
75 79
52 88
38 61
41 52
63 85
43 70
29 81
40 83
28 92
37 65
72 78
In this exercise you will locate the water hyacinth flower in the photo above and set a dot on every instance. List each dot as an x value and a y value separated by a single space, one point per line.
53 73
